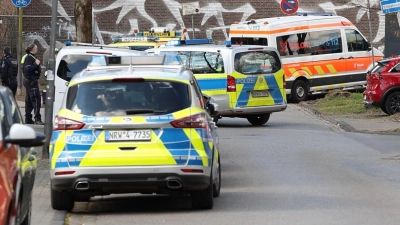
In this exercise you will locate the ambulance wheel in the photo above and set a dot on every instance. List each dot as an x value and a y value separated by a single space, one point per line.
215 119
392 103
258 120
299 91
61 200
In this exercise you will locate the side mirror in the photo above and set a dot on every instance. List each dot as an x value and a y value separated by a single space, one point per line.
25 136
212 109
369 47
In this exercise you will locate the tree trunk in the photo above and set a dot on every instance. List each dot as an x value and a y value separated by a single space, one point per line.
83 20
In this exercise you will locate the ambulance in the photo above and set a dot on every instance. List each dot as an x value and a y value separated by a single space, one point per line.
319 52
154 38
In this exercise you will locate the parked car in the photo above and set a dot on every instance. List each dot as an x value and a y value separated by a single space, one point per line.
17 162
135 129
383 86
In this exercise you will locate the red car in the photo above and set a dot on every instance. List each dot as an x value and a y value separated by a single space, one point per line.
17 162
383 86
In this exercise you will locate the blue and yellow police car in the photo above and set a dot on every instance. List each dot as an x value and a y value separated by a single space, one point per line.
125 128
245 81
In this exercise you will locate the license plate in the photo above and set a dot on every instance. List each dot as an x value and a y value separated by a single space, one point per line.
256 94
128 135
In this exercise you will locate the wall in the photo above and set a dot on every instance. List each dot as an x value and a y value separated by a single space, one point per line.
118 17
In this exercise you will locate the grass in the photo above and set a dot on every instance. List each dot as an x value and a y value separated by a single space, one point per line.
344 103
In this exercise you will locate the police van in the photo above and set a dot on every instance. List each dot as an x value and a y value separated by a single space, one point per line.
153 38
319 53
74 57
245 81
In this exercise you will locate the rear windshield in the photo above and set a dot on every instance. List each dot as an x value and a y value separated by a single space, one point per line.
379 66
109 98
256 62
249 41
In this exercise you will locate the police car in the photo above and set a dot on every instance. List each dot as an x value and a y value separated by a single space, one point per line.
134 129
245 81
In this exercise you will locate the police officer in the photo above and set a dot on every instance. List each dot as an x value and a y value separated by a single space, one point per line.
9 71
32 70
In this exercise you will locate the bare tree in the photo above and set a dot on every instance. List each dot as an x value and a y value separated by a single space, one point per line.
83 20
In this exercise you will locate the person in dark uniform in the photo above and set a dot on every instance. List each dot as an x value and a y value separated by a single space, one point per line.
9 71
32 70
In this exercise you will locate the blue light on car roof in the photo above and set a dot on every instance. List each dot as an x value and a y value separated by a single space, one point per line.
67 43
228 43
190 42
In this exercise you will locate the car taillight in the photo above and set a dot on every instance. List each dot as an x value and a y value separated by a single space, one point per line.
194 121
376 76
231 84
61 123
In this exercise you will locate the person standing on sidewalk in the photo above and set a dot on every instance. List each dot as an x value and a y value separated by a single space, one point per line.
32 70
9 71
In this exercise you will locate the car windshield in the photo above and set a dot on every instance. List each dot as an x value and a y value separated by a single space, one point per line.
108 98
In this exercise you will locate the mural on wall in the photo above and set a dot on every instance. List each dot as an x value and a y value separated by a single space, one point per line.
128 13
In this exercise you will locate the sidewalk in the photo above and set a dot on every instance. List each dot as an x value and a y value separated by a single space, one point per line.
42 213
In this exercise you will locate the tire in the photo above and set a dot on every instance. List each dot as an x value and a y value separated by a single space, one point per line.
215 119
62 200
383 108
204 199
217 184
27 220
392 103
258 120
299 91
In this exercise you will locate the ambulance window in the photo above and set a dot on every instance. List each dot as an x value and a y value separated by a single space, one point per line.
70 65
249 41
294 44
325 42
256 62
355 41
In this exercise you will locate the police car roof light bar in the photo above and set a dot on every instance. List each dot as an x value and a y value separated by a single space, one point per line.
190 42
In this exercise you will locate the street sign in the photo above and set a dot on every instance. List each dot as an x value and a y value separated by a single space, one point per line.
289 7
390 6
21 3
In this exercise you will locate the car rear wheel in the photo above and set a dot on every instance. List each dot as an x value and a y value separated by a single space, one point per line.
259 119
299 91
392 103
204 199
383 108
62 200
217 182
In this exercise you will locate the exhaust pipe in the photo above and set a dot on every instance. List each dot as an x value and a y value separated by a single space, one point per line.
174 184
82 185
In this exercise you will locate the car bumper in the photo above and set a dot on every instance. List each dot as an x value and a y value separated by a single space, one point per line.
242 112
128 180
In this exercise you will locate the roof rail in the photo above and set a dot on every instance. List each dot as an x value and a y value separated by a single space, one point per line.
71 43
315 14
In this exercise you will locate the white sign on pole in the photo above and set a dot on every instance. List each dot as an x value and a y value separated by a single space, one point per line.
190 8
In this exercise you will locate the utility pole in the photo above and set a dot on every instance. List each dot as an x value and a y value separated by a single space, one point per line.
48 124
370 33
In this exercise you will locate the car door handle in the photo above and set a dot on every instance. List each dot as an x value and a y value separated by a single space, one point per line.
341 58
350 57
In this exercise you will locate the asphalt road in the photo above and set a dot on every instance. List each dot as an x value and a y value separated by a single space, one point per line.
297 169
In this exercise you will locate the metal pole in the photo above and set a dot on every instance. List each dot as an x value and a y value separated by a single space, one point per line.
370 34
193 26
48 124
19 51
